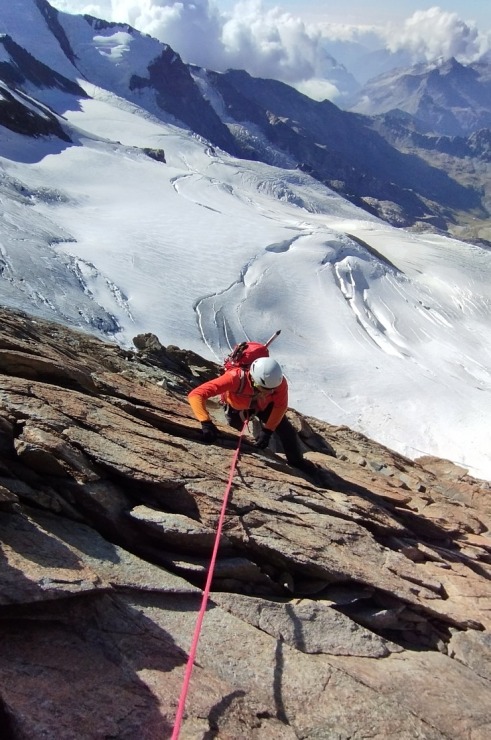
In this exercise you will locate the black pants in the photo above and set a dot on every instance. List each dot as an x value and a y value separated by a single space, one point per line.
285 431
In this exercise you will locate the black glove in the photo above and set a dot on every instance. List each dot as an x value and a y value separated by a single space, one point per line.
210 432
262 440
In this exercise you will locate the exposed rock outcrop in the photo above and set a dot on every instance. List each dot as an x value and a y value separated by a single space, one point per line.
355 604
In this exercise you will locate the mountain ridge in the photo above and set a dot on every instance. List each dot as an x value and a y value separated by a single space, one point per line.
341 149
453 99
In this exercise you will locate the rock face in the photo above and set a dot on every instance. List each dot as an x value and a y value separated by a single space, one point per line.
350 604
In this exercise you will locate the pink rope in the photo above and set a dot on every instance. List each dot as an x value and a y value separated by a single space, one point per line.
206 593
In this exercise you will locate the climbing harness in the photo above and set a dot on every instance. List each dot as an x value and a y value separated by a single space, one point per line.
206 593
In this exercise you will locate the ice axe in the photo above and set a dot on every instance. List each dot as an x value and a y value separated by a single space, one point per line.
271 339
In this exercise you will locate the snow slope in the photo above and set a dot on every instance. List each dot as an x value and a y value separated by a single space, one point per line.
382 330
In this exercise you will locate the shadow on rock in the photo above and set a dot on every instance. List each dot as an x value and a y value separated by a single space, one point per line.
86 654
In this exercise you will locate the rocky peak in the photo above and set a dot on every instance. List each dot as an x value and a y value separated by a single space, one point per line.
451 98
50 14
177 93
22 114
19 67
356 599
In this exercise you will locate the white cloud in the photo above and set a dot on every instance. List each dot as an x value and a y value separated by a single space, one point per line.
318 89
274 43
434 33
265 43
102 9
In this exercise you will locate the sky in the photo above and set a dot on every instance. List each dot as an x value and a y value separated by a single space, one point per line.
358 12
294 40
352 12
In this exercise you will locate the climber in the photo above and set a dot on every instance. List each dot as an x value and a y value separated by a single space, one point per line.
260 391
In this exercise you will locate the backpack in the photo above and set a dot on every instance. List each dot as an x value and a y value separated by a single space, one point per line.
244 354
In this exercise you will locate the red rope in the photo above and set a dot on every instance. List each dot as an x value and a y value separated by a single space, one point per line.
206 593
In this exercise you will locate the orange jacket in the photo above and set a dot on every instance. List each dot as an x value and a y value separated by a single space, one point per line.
236 389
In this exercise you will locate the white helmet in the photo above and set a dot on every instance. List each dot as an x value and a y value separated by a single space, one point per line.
266 372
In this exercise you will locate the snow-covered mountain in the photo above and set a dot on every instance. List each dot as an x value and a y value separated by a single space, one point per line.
448 97
119 218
